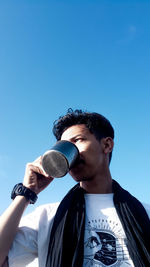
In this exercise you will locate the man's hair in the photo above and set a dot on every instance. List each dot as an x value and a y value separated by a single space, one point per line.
96 123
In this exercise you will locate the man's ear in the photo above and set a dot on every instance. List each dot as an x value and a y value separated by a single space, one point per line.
108 144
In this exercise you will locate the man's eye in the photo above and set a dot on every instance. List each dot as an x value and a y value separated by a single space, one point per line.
79 139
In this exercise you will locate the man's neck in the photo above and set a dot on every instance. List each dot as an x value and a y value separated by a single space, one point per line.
103 185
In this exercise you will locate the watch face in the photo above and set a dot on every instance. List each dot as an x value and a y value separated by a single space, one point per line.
19 189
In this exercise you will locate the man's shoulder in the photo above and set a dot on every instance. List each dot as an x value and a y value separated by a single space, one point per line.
41 213
48 207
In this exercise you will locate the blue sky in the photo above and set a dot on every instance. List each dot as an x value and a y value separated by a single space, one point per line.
92 55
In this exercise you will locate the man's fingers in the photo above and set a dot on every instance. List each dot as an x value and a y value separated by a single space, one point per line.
35 177
36 168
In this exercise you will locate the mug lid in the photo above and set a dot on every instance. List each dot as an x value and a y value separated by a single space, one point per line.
55 164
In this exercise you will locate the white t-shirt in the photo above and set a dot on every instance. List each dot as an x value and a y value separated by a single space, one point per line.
104 243
105 240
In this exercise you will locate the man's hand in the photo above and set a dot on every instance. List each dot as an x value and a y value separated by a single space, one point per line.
35 177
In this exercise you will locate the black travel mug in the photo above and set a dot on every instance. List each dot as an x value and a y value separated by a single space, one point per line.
60 159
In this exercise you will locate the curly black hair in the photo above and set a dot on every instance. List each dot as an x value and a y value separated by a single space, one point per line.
96 123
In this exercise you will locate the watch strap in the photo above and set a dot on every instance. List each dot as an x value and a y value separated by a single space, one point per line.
21 190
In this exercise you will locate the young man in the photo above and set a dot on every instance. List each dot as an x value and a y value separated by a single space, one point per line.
98 223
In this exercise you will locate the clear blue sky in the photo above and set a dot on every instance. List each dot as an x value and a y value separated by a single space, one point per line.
93 55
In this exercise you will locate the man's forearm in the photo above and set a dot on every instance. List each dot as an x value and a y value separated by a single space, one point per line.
9 222
10 219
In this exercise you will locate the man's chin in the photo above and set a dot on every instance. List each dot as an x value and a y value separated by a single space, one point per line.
78 177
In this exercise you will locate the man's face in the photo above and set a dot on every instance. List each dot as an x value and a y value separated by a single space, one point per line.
90 152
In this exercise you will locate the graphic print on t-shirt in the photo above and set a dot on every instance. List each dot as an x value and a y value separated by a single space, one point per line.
105 244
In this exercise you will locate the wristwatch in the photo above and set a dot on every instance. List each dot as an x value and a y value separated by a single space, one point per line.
21 190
